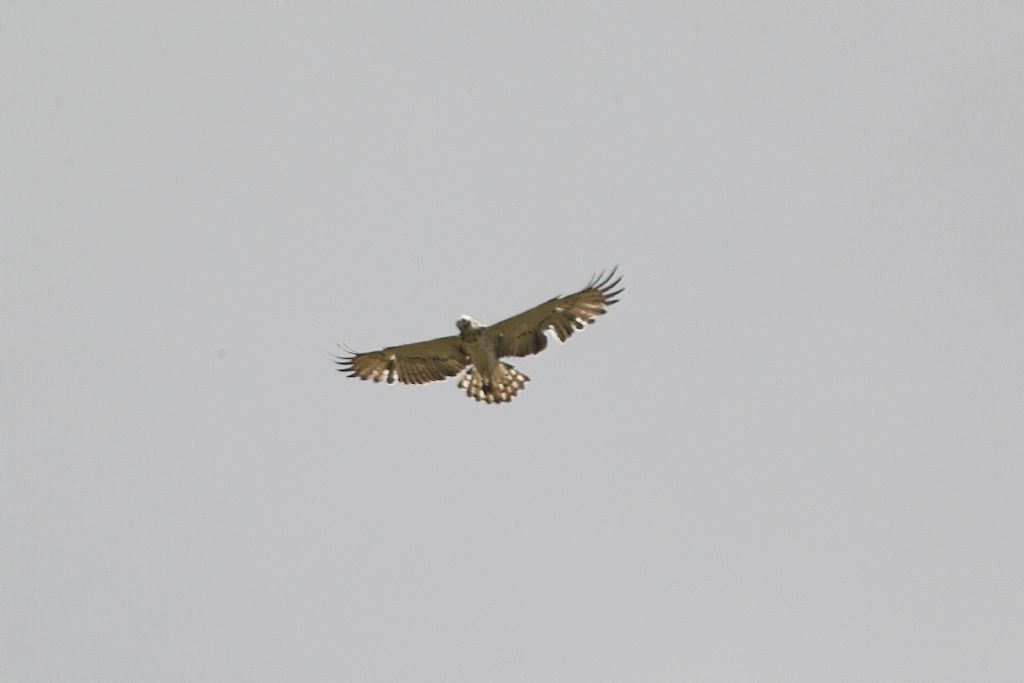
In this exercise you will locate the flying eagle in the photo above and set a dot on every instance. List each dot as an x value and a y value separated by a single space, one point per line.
480 347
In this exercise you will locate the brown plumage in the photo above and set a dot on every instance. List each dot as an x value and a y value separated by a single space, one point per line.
481 347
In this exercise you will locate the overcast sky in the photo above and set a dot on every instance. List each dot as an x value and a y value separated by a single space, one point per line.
792 452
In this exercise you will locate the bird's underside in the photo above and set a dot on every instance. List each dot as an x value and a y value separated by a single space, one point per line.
478 349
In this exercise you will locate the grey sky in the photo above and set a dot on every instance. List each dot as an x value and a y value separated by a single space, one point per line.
791 453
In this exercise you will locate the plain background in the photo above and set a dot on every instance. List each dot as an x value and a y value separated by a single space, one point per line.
791 453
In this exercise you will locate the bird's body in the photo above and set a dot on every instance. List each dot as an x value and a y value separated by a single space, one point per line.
477 345
480 348
488 379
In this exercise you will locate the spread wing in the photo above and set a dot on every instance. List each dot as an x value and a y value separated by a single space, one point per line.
419 363
524 334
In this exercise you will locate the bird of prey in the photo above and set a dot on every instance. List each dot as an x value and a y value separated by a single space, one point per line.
479 348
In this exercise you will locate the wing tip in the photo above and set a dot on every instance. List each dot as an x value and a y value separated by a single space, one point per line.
606 284
603 280
346 363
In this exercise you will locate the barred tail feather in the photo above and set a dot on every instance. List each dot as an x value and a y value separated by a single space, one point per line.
507 385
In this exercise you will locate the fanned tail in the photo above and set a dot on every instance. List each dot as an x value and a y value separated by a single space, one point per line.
507 385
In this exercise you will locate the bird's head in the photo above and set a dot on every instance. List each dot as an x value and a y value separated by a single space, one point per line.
466 323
